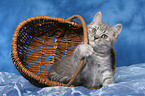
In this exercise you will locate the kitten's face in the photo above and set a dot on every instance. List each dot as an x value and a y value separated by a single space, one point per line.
102 36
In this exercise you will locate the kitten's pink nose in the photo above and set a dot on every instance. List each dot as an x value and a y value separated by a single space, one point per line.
96 37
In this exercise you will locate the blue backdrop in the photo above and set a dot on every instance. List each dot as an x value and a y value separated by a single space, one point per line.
130 48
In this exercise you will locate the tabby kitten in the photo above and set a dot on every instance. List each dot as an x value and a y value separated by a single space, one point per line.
96 69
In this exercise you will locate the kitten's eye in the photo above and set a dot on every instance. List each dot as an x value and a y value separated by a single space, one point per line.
94 30
104 36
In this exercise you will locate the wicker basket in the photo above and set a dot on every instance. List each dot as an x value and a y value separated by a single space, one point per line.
38 42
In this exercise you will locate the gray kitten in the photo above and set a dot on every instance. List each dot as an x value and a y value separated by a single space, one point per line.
96 69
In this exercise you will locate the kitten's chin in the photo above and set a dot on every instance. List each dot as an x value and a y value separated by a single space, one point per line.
99 46
96 43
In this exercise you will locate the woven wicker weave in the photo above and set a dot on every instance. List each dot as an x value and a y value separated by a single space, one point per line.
38 42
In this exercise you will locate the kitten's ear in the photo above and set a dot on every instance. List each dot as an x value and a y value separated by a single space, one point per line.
117 28
97 18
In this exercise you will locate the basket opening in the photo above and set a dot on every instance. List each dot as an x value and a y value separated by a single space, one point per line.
41 43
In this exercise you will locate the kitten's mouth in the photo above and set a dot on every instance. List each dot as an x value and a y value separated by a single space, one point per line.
97 40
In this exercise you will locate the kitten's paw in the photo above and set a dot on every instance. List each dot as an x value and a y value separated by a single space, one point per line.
108 82
85 50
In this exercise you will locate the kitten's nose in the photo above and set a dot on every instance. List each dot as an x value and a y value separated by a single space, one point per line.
96 37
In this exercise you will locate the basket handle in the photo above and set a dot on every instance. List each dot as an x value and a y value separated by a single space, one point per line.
85 42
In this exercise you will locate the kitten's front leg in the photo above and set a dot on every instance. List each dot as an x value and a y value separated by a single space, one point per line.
107 77
83 50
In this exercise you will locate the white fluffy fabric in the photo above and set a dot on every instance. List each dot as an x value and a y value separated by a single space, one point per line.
129 80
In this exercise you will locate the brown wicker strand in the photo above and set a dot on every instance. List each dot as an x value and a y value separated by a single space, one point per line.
85 42
114 60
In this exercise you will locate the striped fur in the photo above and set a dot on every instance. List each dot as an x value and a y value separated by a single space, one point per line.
96 70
